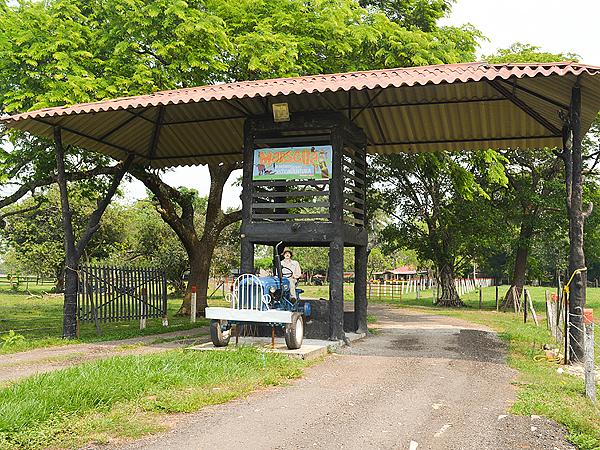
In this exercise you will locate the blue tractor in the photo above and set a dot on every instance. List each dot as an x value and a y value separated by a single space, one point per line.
262 300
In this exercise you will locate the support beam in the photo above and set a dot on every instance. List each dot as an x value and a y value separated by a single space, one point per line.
87 136
369 103
124 123
156 133
336 290
360 289
531 92
377 121
459 141
576 224
247 246
525 107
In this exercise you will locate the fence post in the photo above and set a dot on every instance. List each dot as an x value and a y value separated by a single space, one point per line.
143 308
588 354
193 306
418 290
480 295
497 304
566 329
165 320
529 301
524 297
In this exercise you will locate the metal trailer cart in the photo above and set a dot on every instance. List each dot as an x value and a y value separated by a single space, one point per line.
265 301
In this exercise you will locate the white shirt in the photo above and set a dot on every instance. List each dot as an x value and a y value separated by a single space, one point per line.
294 266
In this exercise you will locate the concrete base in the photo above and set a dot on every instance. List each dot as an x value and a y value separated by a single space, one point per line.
311 348
318 327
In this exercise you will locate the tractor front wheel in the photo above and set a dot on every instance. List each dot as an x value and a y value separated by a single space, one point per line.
219 337
294 332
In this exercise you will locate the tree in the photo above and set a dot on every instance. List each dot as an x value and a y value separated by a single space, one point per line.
428 195
535 190
177 209
35 235
534 178
146 240
73 51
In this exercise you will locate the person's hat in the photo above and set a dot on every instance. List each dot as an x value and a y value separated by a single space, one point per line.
287 250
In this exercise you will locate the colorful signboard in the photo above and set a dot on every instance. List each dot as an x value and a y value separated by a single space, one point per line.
292 163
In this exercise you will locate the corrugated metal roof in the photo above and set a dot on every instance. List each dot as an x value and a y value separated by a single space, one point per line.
443 107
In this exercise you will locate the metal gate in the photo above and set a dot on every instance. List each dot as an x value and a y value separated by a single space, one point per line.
109 294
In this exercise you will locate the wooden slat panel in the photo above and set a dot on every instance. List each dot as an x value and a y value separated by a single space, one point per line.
357 157
354 198
354 167
269 205
354 220
353 209
354 188
291 183
281 141
290 216
357 180
259 194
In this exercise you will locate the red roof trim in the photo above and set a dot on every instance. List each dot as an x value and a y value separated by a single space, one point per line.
371 79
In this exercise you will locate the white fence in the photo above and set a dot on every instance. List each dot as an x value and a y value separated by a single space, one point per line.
396 289
466 285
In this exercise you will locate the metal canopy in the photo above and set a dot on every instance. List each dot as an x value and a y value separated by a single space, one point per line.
445 107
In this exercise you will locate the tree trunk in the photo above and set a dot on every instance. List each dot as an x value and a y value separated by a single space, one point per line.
70 300
520 268
448 296
177 211
59 286
74 250
199 276
574 182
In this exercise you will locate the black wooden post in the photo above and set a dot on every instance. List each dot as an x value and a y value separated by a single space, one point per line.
360 288
247 246
336 290
574 184
336 247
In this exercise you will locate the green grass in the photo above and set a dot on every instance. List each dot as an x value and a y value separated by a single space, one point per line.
127 396
38 317
541 390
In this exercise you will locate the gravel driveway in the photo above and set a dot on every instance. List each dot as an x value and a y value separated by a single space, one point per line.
422 382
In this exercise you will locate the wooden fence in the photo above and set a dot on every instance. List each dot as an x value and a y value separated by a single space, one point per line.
396 289
109 294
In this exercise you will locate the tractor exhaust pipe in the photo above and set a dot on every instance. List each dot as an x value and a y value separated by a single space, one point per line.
277 266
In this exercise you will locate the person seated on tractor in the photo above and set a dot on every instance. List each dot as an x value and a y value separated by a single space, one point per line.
293 273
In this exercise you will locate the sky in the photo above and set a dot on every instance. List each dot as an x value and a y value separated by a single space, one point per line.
556 26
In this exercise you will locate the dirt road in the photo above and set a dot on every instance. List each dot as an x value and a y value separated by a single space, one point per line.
18 365
423 382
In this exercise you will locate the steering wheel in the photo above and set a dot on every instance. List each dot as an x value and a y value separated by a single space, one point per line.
286 272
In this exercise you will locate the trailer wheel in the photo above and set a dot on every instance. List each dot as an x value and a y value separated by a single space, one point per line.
294 332
219 337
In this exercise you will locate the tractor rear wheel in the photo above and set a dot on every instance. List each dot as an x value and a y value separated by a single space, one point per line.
219 337
294 332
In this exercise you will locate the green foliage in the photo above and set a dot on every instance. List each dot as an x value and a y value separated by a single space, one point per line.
35 237
527 53
71 51
432 198
60 407
146 240
38 317
11 338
